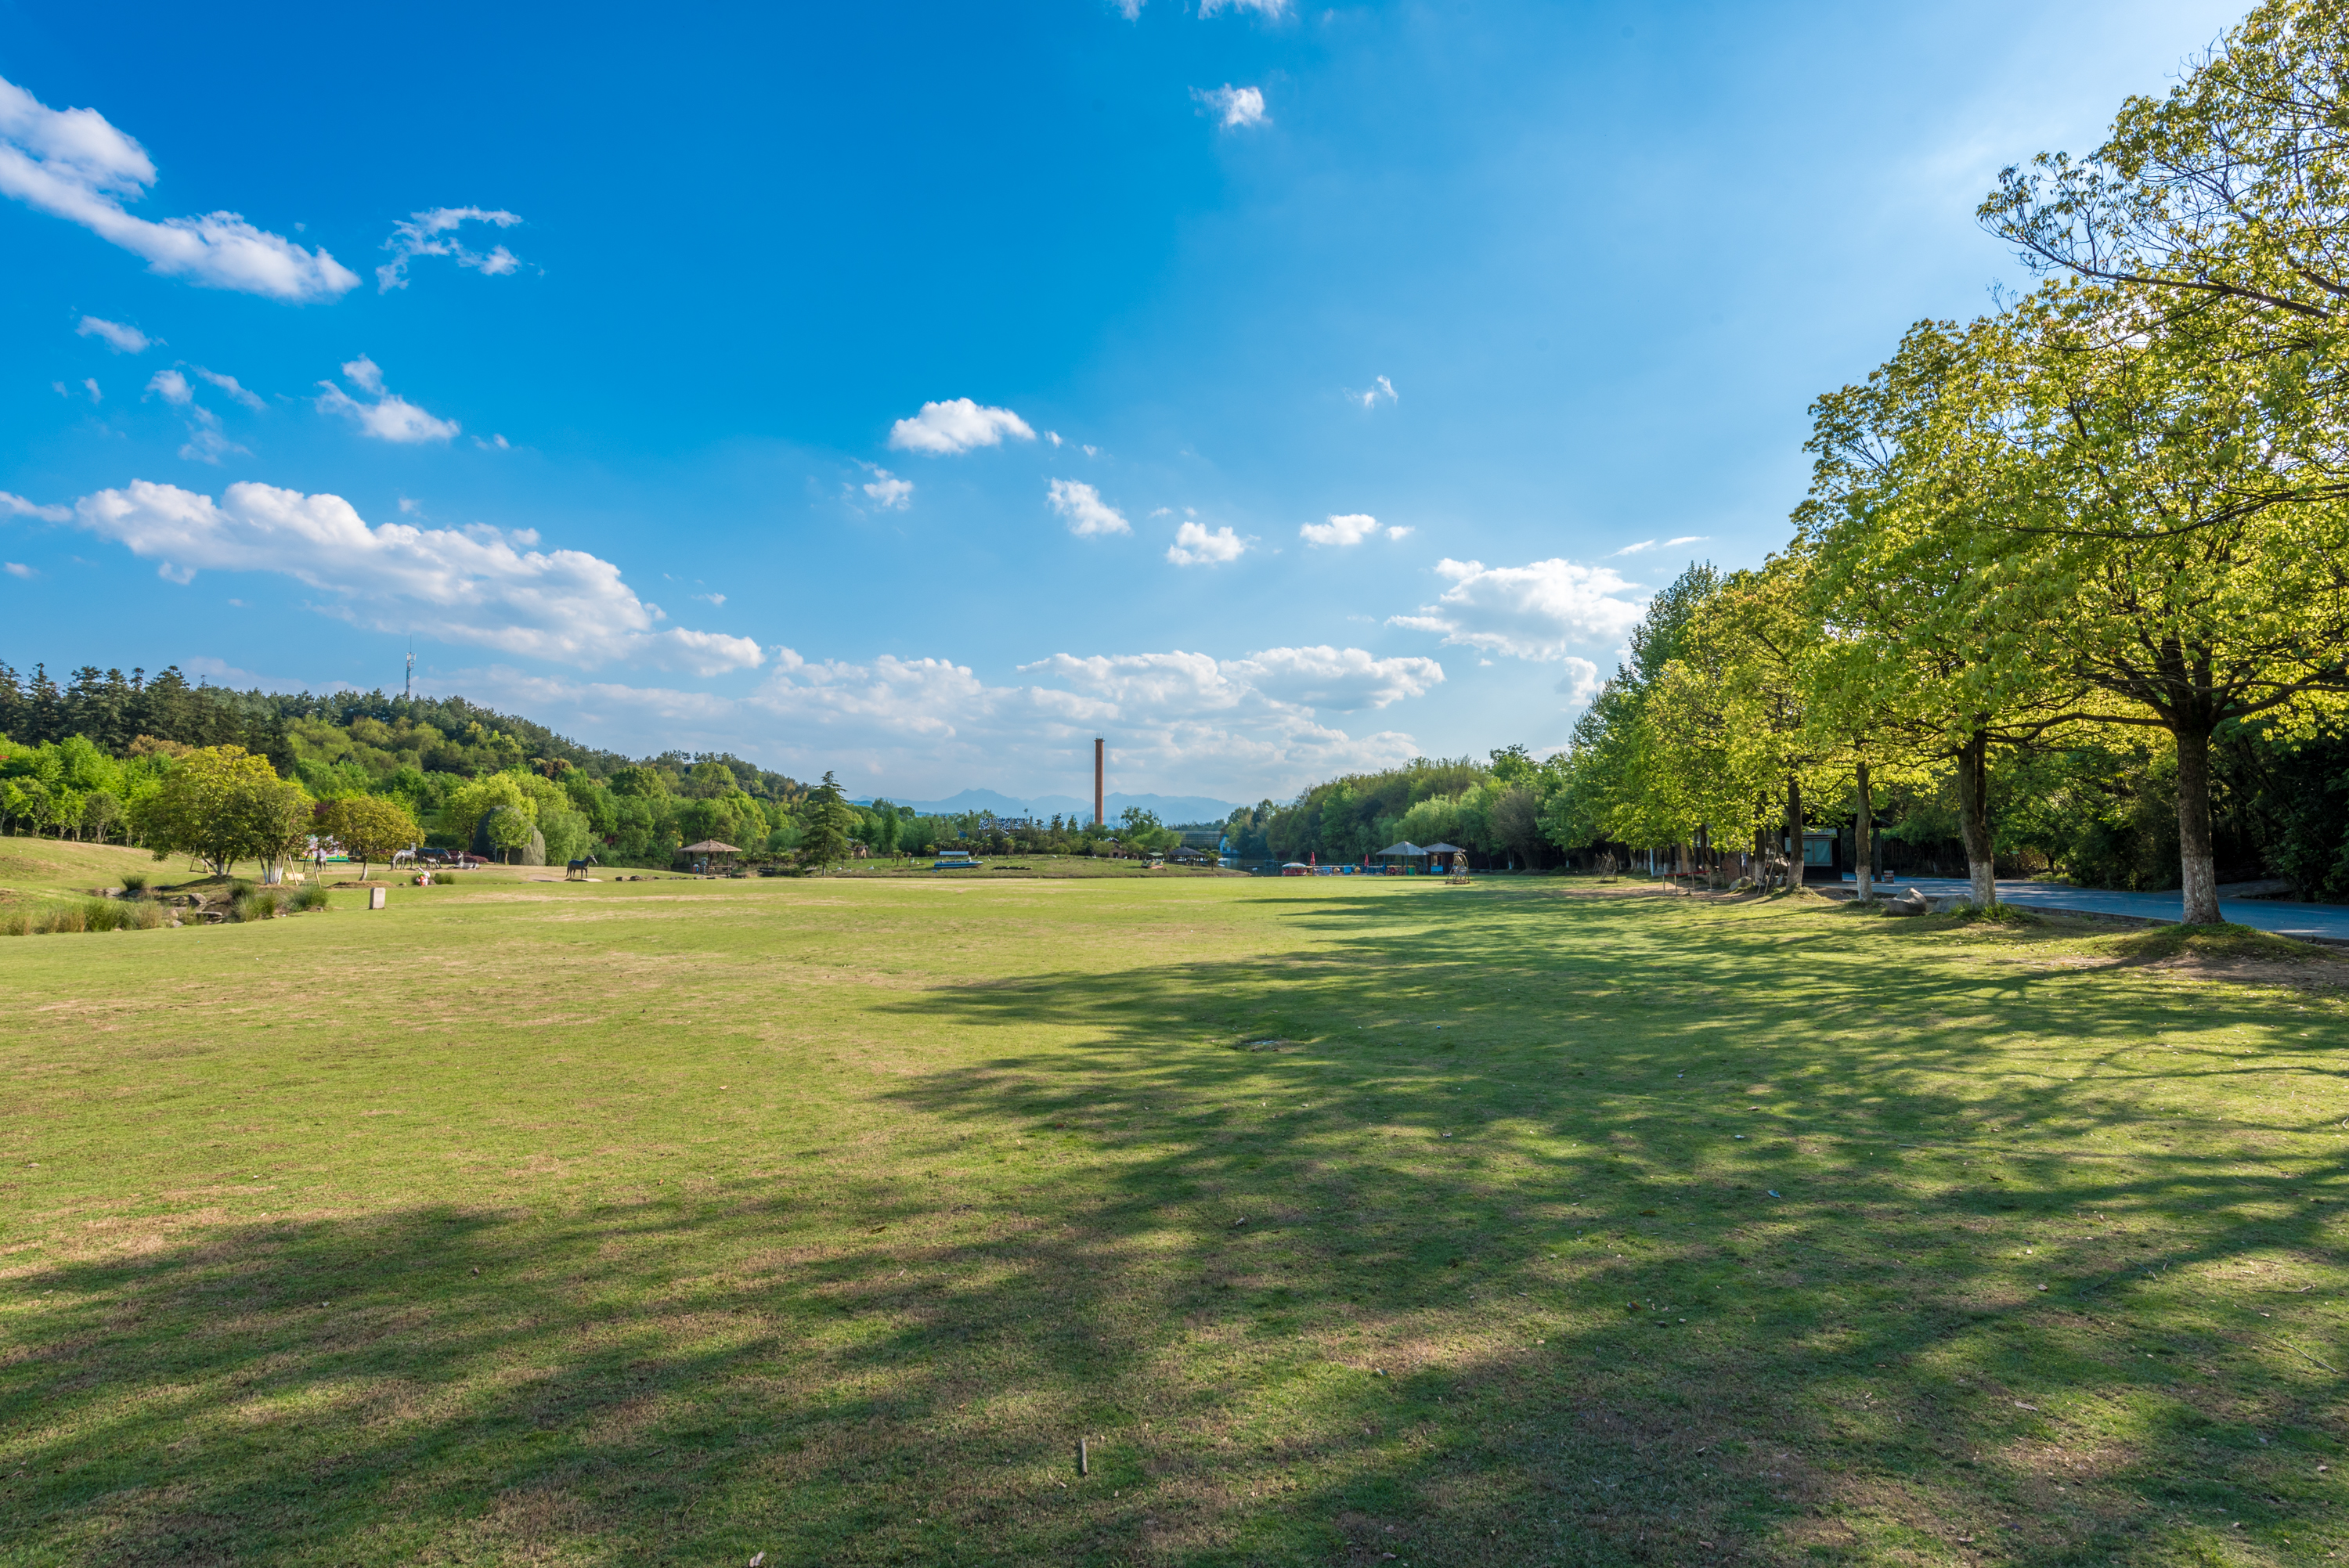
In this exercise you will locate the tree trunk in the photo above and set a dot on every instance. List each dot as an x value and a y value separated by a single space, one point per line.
1973 819
1793 834
2200 875
1863 839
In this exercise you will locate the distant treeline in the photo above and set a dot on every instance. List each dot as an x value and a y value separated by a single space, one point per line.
77 760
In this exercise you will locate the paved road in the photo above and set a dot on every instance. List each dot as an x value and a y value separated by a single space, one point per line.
2321 922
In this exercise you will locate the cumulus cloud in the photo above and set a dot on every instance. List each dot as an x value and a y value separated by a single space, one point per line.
1195 546
889 492
391 417
1399 532
1381 388
172 387
17 506
433 233
1233 107
908 726
957 425
73 164
1580 682
1086 513
120 338
1532 611
1657 544
1344 679
478 584
1341 530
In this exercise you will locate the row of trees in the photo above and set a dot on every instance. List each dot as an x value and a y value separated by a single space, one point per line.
2119 504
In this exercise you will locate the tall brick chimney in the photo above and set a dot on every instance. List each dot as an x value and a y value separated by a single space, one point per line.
1097 779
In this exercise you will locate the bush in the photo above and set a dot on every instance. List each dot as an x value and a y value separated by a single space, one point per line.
311 897
14 923
64 922
266 904
134 884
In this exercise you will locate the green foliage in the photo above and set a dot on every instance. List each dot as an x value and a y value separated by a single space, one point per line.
827 819
369 828
222 805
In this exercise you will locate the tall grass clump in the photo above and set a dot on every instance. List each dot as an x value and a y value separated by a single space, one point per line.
312 896
134 884
15 924
256 903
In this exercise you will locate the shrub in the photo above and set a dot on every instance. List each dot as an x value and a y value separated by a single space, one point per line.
314 896
14 923
265 903
102 914
64 922
134 884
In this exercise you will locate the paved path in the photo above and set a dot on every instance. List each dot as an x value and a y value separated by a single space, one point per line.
2321 922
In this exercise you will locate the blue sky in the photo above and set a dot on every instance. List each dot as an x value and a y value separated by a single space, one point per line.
917 391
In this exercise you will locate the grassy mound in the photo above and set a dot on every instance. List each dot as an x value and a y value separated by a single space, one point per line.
2229 942
1996 914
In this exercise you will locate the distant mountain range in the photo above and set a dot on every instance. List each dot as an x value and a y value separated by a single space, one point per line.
1168 808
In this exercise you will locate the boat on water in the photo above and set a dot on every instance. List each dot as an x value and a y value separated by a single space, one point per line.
956 860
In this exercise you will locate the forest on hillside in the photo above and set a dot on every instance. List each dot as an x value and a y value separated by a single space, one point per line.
77 760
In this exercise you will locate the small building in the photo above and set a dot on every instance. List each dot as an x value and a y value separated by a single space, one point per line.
1823 856
704 852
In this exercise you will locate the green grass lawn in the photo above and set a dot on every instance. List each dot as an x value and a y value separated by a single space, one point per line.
1347 1221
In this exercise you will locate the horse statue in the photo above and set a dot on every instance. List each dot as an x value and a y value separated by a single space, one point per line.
577 871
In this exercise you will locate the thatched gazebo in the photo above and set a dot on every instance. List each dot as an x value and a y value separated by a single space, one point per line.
701 854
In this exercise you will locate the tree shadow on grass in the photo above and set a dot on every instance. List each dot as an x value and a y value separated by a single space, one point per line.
1299 1323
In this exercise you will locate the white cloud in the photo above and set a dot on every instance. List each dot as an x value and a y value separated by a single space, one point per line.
1381 388
1177 722
228 385
1532 611
391 417
468 585
1580 682
957 425
1053 436
1086 513
17 568
1399 531
120 338
890 492
17 506
1233 107
89 384
1195 546
494 444
431 234
1657 544
206 443
1345 679
1341 530
74 165
1271 10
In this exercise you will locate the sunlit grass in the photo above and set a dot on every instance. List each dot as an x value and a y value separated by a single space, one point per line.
677 1221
